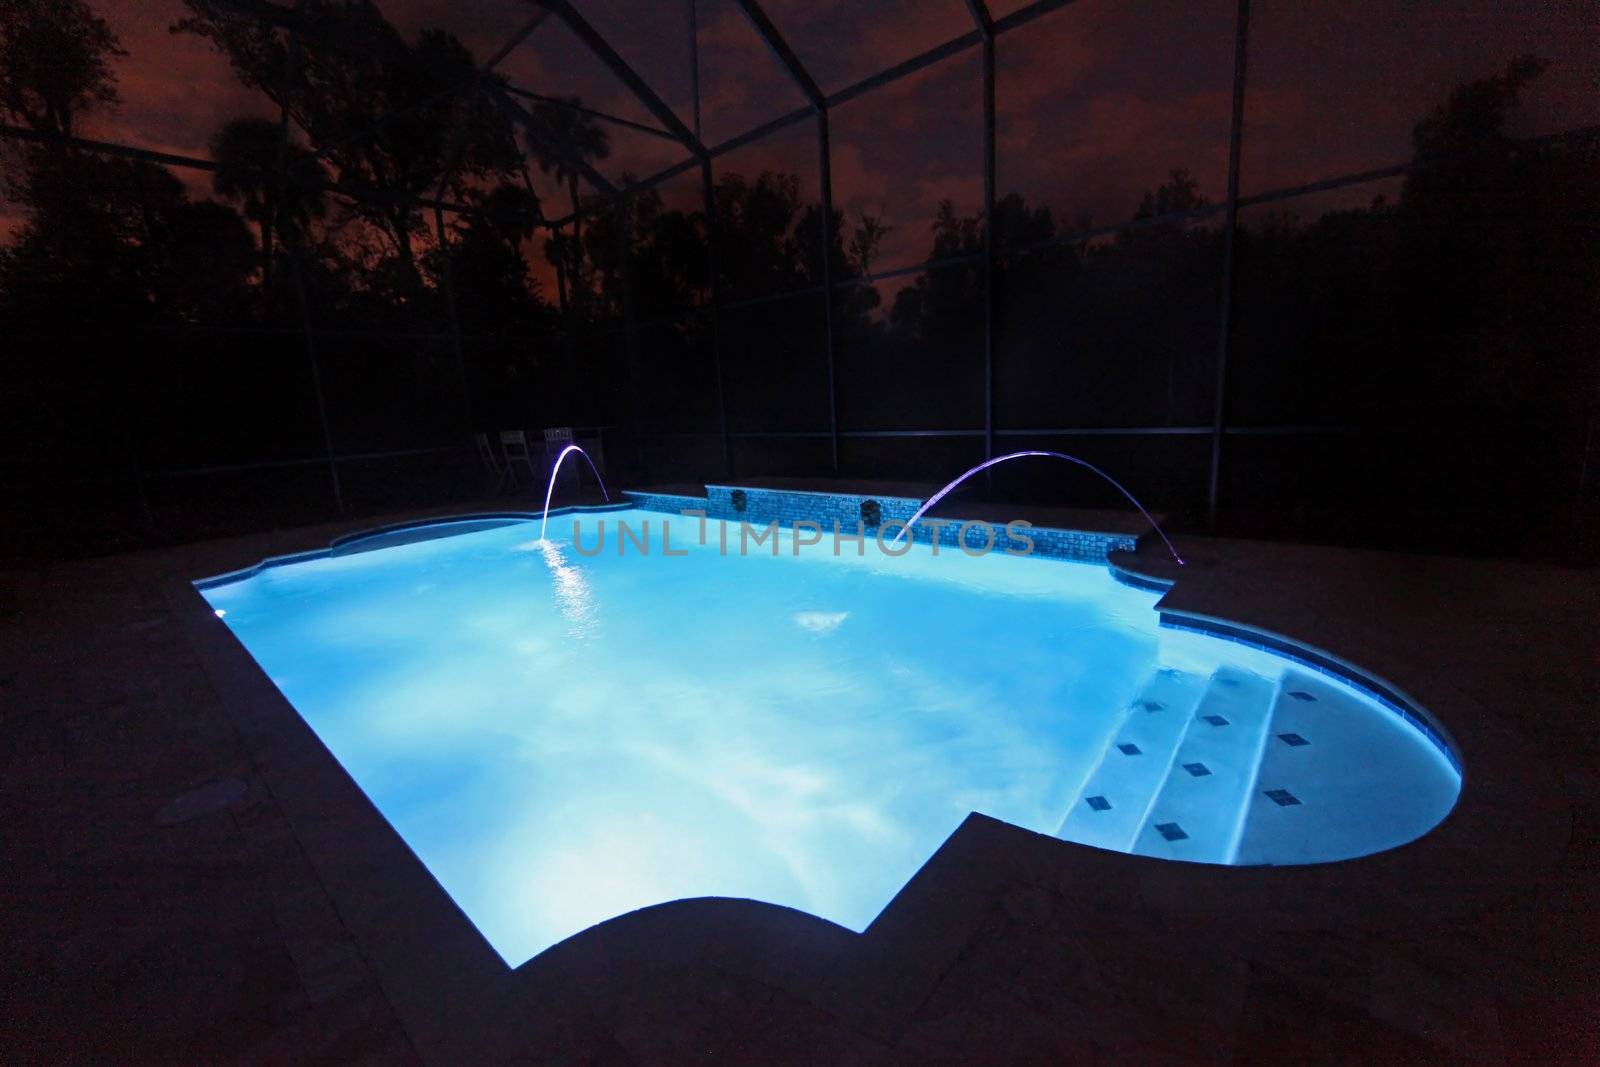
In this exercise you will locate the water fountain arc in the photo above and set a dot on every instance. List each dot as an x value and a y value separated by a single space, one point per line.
555 470
986 464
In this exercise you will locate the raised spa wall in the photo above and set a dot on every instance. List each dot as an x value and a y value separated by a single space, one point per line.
852 511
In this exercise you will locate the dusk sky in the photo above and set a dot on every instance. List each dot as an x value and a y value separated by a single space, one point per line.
1096 102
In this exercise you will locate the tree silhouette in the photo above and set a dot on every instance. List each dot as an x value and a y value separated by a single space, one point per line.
865 240
104 238
558 252
1017 224
396 121
1179 193
55 63
1465 308
926 308
1497 249
510 212
668 262
279 186
584 139
119 240
488 272
1473 118
754 231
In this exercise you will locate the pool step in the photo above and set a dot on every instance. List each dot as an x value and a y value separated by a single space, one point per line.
1306 722
1327 753
1199 812
1112 804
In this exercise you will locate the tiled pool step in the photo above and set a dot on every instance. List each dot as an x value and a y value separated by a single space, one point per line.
1112 805
1306 709
1199 812
1238 768
1177 778
1325 755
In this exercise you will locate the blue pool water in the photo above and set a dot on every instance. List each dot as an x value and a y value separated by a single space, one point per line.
562 739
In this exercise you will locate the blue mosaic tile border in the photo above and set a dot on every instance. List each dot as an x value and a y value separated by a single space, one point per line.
761 506
1311 660
671 503
785 506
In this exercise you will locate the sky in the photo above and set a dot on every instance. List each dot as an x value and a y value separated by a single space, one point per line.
1096 102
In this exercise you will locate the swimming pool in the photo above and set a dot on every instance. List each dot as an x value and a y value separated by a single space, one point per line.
563 737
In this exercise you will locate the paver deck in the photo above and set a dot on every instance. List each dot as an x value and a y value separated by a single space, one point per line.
188 873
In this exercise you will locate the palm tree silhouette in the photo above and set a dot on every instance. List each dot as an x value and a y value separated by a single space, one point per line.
511 213
278 186
585 140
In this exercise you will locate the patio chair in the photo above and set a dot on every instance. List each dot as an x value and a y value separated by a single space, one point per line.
555 439
514 443
494 467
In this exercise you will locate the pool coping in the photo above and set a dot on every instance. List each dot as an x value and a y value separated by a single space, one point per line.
342 544
1375 688
1157 574
456 996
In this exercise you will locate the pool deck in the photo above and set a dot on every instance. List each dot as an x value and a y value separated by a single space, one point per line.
190 875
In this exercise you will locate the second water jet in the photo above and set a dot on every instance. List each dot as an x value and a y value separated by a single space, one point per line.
986 464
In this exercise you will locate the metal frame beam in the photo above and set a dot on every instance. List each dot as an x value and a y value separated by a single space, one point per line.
985 26
617 120
619 67
531 126
169 159
781 51
954 46
691 9
522 34
1133 225
105 148
630 333
1241 55
512 43
291 61
709 204
1103 431
802 79
458 152
981 19
708 196
292 19
825 190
